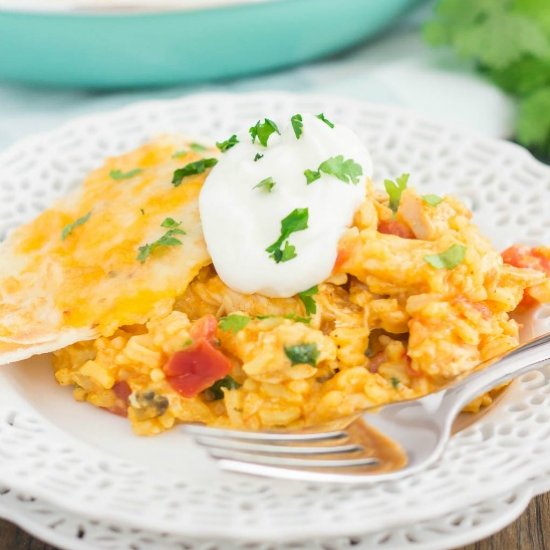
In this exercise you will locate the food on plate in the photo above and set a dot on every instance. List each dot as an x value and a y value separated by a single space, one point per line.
260 284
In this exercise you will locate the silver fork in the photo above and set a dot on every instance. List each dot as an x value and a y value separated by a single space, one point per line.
420 428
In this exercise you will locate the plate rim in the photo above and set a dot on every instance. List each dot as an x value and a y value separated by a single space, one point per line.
106 115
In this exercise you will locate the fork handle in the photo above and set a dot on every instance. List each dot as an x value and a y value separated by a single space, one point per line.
520 360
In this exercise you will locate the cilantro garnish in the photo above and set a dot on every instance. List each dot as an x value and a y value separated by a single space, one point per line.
266 185
234 322
120 175
447 259
395 382
262 131
168 239
191 169
508 42
258 157
347 171
224 146
180 154
394 189
297 318
68 229
432 200
307 299
311 175
297 125
296 221
228 382
198 147
322 117
303 354
188 342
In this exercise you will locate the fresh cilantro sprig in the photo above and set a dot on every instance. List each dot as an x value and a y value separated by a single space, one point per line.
297 125
262 130
198 147
303 354
281 250
168 239
394 189
68 229
307 299
432 200
322 117
224 146
227 382
266 185
258 156
509 42
192 169
120 175
347 171
448 259
233 323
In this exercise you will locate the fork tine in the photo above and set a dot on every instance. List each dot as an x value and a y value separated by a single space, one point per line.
201 430
291 462
275 449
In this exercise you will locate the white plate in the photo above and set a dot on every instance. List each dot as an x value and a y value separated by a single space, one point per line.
65 530
84 460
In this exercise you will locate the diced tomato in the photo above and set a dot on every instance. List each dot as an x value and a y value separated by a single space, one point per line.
122 391
343 255
204 329
534 258
195 369
376 361
393 227
525 256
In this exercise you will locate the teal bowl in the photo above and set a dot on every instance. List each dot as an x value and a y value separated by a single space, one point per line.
153 46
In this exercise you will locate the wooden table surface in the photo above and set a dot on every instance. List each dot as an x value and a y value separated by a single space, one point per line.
530 532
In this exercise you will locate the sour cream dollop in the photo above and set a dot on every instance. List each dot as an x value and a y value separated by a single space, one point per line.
240 220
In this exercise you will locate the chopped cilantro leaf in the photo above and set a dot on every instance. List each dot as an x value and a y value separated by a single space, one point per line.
347 171
394 190
297 318
224 146
120 175
395 382
188 342
307 299
198 147
302 354
168 239
322 117
258 157
262 131
170 223
311 176
68 229
432 200
447 259
296 221
297 125
228 382
191 169
266 185
179 154
234 322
